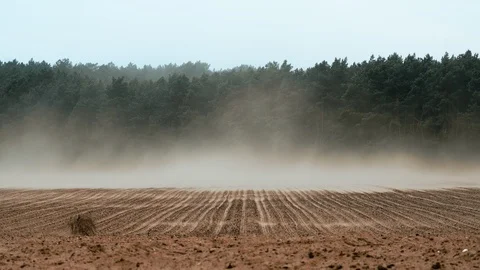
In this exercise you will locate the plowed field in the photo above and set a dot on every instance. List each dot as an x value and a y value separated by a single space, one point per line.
213 213
244 214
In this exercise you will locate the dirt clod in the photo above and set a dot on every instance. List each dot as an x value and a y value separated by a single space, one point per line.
82 225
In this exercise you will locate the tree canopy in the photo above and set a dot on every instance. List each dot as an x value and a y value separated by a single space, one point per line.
416 102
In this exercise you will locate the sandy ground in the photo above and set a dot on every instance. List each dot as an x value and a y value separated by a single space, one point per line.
349 251
198 229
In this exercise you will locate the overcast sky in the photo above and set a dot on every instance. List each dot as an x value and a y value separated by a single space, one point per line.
229 33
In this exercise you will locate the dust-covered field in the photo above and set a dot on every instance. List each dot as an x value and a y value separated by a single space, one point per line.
287 228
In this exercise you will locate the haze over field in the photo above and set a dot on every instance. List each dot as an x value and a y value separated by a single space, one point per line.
325 132
39 166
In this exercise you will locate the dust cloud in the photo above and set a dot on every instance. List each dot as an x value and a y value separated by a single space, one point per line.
39 158
41 166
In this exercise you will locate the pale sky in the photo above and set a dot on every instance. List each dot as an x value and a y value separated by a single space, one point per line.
230 33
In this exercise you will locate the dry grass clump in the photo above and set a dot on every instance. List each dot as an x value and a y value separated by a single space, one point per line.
82 225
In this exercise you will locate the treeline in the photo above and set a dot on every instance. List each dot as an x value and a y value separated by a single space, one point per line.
412 102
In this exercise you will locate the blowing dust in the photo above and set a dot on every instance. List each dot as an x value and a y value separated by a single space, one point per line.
40 166
40 157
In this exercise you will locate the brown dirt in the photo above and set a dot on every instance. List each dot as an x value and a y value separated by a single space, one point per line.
181 228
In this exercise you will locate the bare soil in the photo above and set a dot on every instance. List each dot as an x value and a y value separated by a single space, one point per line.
201 229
